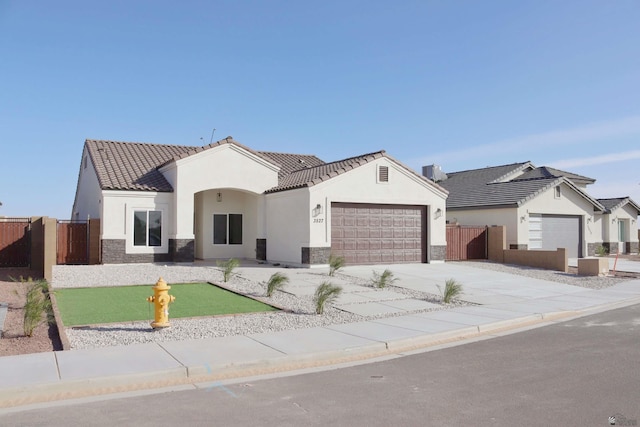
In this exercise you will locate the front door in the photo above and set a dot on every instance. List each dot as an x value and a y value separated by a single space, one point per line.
621 236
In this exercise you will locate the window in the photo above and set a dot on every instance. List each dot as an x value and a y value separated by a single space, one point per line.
383 174
557 192
227 229
147 228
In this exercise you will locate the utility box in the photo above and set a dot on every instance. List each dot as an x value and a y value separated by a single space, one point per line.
593 266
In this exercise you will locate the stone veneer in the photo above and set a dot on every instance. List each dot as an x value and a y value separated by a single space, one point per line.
261 249
438 253
519 247
591 248
612 247
633 247
182 250
114 252
315 255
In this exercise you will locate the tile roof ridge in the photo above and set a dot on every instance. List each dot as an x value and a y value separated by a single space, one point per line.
287 154
519 164
549 168
110 141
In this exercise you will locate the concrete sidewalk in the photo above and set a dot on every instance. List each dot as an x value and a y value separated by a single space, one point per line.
509 302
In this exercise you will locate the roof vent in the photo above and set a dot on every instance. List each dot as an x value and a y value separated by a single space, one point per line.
434 173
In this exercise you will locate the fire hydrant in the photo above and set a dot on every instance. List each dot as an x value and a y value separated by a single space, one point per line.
161 298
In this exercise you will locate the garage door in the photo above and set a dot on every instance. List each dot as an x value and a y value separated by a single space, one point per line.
549 232
372 234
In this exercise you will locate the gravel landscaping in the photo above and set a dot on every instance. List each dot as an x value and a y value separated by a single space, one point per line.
299 312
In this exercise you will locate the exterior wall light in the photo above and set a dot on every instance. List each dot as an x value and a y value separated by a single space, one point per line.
437 214
219 197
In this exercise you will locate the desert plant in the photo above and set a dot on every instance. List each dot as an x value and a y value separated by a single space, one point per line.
276 281
335 263
37 308
227 268
381 280
325 293
601 251
452 289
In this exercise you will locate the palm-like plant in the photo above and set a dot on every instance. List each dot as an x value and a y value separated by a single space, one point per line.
452 289
227 268
325 293
381 280
335 263
276 281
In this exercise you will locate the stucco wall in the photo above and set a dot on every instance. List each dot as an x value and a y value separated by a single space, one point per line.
231 202
88 193
117 221
361 186
569 203
288 223
224 167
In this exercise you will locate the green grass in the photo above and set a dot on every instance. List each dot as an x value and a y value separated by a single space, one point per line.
87 306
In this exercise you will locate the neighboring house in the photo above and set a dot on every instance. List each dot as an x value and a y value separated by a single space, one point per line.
163 203
541 207
619 226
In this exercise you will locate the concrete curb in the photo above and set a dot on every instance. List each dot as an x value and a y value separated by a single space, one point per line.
69 389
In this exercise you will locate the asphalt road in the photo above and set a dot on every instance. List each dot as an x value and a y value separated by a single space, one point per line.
576 373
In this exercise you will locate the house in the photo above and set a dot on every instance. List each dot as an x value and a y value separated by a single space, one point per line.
619 227
541 207
173 203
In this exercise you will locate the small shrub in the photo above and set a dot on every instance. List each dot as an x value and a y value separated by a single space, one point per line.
276 281
601 251
335 264
452 289
227 268
325 293
37 308
381 280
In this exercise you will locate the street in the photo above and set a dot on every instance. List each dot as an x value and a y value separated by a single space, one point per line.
576 373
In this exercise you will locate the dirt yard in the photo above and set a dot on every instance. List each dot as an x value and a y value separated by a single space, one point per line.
13 341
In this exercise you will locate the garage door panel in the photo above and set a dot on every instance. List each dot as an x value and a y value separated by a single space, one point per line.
549 232
367 234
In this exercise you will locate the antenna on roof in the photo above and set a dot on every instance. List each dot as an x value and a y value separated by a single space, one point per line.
212 132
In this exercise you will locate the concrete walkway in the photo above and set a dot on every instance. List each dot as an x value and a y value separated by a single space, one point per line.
507 302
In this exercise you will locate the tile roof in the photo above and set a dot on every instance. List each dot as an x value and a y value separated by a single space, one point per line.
132 165
487 188
549 172
614 203
311 176
291 162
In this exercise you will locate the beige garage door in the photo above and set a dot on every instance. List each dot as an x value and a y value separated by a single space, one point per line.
374 234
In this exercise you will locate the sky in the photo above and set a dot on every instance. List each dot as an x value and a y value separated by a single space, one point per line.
461 84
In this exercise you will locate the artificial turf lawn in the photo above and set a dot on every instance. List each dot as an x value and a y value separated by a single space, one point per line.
87 306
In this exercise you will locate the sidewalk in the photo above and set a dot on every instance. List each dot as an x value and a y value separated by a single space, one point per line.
505 305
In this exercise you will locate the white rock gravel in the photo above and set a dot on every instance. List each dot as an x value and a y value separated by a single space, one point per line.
249 281
299 314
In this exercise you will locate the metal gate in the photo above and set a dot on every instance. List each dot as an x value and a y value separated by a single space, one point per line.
15 242
73 242
466 242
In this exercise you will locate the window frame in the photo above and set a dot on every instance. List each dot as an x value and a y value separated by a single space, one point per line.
232 237
148 233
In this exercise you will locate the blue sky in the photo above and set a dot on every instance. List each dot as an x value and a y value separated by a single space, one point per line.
464 84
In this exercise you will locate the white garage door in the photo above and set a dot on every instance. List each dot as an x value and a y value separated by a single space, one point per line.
549 232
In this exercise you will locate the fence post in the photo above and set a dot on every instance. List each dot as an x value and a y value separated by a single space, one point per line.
50 247
94 241
37 245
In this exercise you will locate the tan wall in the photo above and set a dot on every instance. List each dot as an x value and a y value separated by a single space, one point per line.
50 247
550 260
497 243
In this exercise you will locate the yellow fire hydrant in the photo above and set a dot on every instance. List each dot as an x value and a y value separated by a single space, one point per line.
161 298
